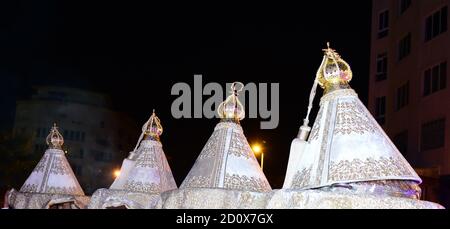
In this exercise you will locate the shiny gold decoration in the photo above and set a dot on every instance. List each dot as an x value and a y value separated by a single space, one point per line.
55 140
334 73
153 127
231 109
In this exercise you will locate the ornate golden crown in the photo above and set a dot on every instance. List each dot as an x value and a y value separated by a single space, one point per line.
232 109
153 127
334 72
54 139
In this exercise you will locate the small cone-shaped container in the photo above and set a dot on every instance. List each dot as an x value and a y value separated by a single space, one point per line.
150 172
144 175
52 181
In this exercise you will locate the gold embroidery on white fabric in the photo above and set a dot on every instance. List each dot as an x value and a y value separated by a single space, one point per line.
196 182
239 146
211 147
301 178
237 182
338 94
147 159
351 118
29 188
59 167
138 186
212 154
324 144
40 167
60 190
316 127
369 168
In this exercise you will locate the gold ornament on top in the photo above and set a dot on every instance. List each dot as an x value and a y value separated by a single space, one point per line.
153 127
55 140
231 109
334 73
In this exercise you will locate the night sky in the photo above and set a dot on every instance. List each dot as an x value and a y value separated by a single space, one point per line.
136 52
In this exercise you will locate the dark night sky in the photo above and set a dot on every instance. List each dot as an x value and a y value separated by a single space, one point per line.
136 52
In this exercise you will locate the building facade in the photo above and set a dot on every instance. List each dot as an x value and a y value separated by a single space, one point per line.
96 137
409 92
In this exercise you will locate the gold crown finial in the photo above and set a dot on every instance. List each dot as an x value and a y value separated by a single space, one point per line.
153 127
232 109
54 139
334 72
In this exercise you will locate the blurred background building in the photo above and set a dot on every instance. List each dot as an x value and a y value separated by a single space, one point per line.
97 138
409 93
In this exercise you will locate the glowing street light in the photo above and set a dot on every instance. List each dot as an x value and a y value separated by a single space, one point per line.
116 173
258 149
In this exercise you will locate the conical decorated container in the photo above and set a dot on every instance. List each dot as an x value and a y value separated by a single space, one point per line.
144 175
52 183
226 171
347 161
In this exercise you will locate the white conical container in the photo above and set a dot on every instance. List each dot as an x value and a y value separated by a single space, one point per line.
228 162
143 175
226 174
348 160
51 182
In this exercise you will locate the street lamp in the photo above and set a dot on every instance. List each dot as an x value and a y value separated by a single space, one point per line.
258 149
116 173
